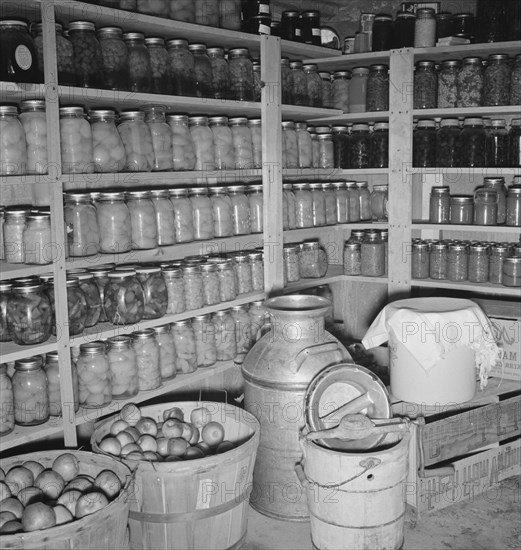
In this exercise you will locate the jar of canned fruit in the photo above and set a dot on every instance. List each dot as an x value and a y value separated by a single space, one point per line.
154 290
124 298
30 392
147 356
94 376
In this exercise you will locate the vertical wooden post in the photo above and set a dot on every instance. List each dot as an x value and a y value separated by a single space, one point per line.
272 164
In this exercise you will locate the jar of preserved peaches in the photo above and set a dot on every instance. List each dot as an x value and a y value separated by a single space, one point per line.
318 204
137 141
202 70
139 68
203 143
88 56
222 212
34 124
303 205
181 67
167 353
161 137
173 277
227 280
83 236
7 400
256 205
255 126
241 210
183 215
304 146
30 392
123 367
155 291
289 145
184 341
313 260
164 216
224 153
202 210
242 143
193 285
257 270
220 73
243 336
108 149
205 345
241 74
115 58
289 207
147 353
94 376
182 143
75 141
142 219
52 371
340 90
225 336
114 222
124 298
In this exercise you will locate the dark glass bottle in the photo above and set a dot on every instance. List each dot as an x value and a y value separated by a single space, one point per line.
444 25
403 30
340 146
310 27
382 32
290 26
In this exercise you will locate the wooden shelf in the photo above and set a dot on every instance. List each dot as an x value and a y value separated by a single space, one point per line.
360 279
16 271
84 415
348 61
297 112
296 235
29 434
441 53
457 227
350 118
15 92
332 174
335 273
508 110
464 171
10 351
485 288
298 51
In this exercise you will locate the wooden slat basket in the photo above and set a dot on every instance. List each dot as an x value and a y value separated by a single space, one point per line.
199 504
107 528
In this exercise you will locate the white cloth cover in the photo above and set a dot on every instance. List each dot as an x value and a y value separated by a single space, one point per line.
432 327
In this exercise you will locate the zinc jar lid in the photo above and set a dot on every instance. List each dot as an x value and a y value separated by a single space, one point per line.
32 105
133 36
119 342
146 334
237 121
28 363
81 26
110 31
238 52
215 51
193 120
197 48
449 122
177 43
92 348
341 74
218 120
155 41
177 118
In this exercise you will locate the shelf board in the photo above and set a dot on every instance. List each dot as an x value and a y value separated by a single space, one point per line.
102 331
296 235
457 227
335 273
465 171
298 112
84 415
331 173
441 53
360 279
348 61
462 112
29 434
15 92
485 288
173 252
16 271
298 51
10 351
350 118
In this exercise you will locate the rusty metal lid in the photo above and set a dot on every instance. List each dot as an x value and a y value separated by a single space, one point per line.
335 387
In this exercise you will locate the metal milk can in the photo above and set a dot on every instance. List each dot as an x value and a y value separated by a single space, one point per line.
277 372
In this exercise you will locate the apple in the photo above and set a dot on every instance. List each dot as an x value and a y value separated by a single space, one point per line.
18 478
130 448
108 483
177 446
125 438
146 425
194 452
111 445
151 456
188 431
69 499
81 483
67 465
212 434
51 483
147 443
2 474
12 505
199 417
5 492
132 432
162 446
174 412
38 516
5 517
195 436
172 428
63 515
135 455
90 503
35 467
118 426
207 450
29 495
224 446
11 527
130 413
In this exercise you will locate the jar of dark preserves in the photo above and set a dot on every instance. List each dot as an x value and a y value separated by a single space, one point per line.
448 84
425 85
496 83
340 90
378 88
181 68
447 138
403 30
300 84
496 152
310 27
139 69
286 81
514 142
158 65
379 153
470 82
64 54
203 70
18 62
115 58
382 32
259 24
463 25
290 26
424 144
314 84
340 137
241 74
360 146
472 143
88 57
444 25
515 82
220 73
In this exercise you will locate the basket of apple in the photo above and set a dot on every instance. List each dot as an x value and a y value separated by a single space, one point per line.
57 499
193 466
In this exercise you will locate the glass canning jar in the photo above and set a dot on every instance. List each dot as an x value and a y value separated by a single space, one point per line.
210 280
242 143
515 82
256 203
352 259
498 184
513 208
420 260
515 142
511 273
222 212
94 376
108 149
447 143
184 341
425 28
364 196
439 204
193 285
154 291
182 143
312 260
139 66
485 206
379 145
30 392
290 25
92 297
88 56
358 90
147 353
241 210
496 80
182 10
13 148
164 216
29 313
330 200
425 85
75 141
161 135
318 201
124 298
137 140
52 371
304 146
448 84
7 402
356 236
303 205
257 270
122 366
173 277
2 218
403 30
202 214
378 201
220 73
34 125
378 88
300 84
167 353
340 90
382 32
202 139
183 215
230 12
143 220
353 195
314 85
257 81
478 263
37 245
243 273
101 279
290 157
115 58
340 136
207 12
327 90
496 144
181 67
76 305
457 262
326 151
114 223
372 252
438 260
341 198
225 336
202 70
19 61
158 8
470 83
498 252
461 209
291 253
255 126
159 77
227 280
286 82
472 143
359 146
289 207
5 289
243 335
310 27
241 74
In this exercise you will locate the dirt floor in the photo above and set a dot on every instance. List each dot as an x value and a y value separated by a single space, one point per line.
492 523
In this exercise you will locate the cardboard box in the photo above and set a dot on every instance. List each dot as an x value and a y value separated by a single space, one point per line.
507 332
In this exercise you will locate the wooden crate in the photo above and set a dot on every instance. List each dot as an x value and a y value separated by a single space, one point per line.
458 451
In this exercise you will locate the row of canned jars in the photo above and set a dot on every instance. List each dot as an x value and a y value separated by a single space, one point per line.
471 82
473 261
478 142
365 253
491 204
125 295
122 366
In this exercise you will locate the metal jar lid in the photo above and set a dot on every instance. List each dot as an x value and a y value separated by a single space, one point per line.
254 122
197 48
217 52
146 334
218 120
133 36
119 342
122 274
28 363
93 348
198 120
237 121
440 190
81 26
106 32
32 105
238 52
154 41
177 43
179 193
461 199
163 329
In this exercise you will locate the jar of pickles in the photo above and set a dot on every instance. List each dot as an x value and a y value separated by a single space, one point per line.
289 207
470 83
498 252
379 145
167 353
76 306
137 140
300 84
184 342
291 253
101 280
359 146
420 260
161 135
193 285
257 270
223 143
124 298
227 280
88 56
52 371
313 260
448 84
92 297
457 262
114 222
225 335
159 77
182 143
372 253
496 80
202 211
241 74
123 367
147 353
256 206
241 210
205 345
255 126
181 67
461 209
424 144
340 136
94 376
143 220
183 215
472 143
34 124
318 204
242 143
203 143
7 402
439 204
447 143
75 141
314 85
108 149
220 73
378 202
513 206
30 392
243 335
115 58
303 205
290 157
155 291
